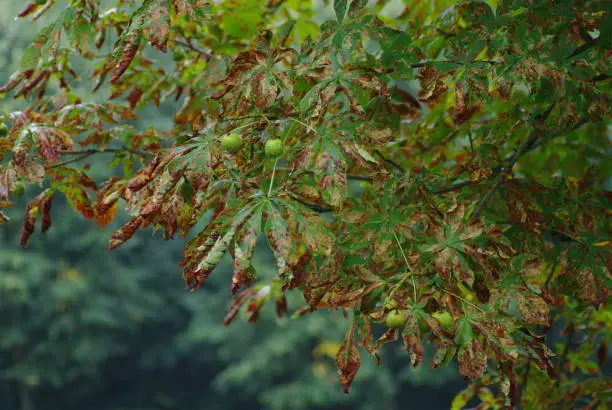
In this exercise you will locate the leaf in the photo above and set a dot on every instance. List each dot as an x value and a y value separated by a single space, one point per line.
472 359
122 235
331 174
46 214
205 251
79 200
80 32
464 332
462 399
194 9
31 213
244 248
43 48
412 344
129 42
157 25
347 359
534 310
340 7
282 245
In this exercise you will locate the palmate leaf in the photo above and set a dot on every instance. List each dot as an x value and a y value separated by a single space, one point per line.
205 250
48 141
150 22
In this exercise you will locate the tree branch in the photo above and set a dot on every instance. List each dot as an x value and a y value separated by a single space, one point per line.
388 161
507 169
81 155
198 50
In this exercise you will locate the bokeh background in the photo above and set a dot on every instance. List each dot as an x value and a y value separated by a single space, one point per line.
84 328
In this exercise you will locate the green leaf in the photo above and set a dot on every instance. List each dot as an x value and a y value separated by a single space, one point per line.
464 332
340 7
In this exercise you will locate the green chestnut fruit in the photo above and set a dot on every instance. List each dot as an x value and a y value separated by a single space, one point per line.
231 142
273 148
395 319
445 319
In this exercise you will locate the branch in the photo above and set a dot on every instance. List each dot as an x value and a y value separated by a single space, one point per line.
350 176
455 187
88 153
507 170
566 348
198 50
388 161
70 161
316 208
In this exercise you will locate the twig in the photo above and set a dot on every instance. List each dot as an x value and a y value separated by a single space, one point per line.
190 46
455 187
524 383
507 169
550 274
389 161
81 155
350 176
272 179
316 208
566 348
70 161
463 300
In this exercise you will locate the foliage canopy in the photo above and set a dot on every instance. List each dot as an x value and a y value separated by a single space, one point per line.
441 162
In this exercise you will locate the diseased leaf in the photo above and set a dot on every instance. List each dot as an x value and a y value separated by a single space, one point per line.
244 248
347 359
472 359
332 178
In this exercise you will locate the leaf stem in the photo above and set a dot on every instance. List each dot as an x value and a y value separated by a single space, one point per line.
245 125
272 179
463 300
414 290
308 127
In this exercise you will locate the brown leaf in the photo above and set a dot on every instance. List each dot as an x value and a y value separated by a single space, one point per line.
332 178
46 214
281 305
31 213
591 288
472 359
29 9
412 344
460 102
190 8
243 253
127 55
236 305
120 236
347 359
158 25
534 310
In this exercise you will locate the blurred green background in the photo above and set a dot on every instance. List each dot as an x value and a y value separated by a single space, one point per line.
82 328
